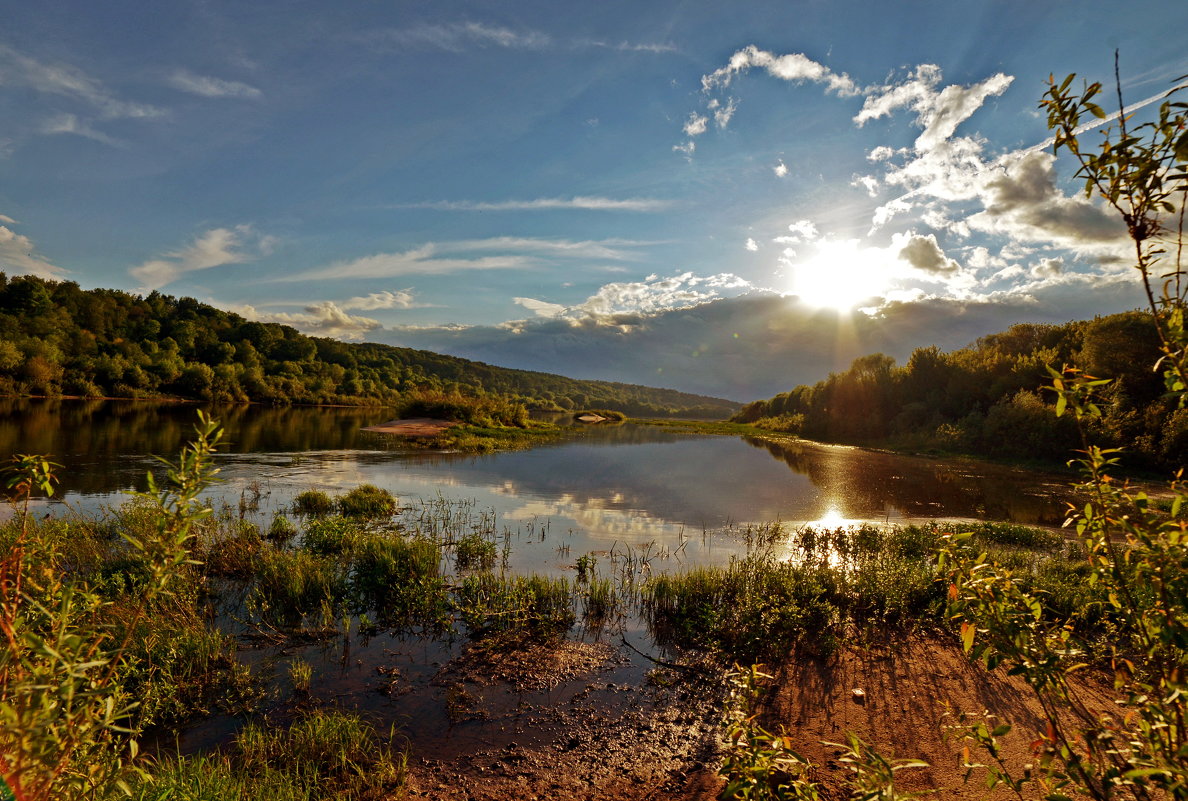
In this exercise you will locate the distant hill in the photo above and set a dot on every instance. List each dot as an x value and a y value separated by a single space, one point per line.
58 339
989 398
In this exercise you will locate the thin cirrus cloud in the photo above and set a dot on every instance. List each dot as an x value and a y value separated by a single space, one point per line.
458 36
580 202
20 69
498 253
214 248
207 86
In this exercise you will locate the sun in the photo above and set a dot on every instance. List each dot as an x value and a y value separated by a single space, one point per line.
839 276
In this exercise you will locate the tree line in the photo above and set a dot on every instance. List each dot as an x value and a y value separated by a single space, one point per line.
989 398
57 339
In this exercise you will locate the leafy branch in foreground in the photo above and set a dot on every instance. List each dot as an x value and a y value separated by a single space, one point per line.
1137 552
67 727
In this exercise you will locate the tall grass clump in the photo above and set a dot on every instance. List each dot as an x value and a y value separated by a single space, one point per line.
321 755
474 552
292 587
312 503
538 605
366 501
331 536
399 578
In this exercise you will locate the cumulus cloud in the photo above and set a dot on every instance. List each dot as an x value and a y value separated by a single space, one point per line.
582 202
214 248
802 230
937 112
1024 204
780 169
1048 268
206 86
924 253
402 299
325 319
621 302
751 244
18 255
723 112
795 67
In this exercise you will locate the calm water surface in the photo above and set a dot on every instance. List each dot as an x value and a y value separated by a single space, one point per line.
625 485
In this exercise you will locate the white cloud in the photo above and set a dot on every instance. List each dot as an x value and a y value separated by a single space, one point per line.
696 124
206 86
541 308
500 253
722 114
614 302
780 169
582 202
880 153
402 299
795 67
802 230
71 124
325 319
687 148
924 253
215 248
867 182
752 245
18 255
455 36
18 69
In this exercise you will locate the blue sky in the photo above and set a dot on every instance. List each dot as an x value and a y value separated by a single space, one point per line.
723 197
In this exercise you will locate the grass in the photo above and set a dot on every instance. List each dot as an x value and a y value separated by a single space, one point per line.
366 501
324 754
474 552
539 605
313 502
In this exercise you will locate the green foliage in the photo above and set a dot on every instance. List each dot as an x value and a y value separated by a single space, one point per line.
759 765
56 338
474 552
313 502
321 755
986 399
1137 552
74 664
539 605
367 501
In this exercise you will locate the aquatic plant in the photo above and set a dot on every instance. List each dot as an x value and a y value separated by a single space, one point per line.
366 501
313 502
474 552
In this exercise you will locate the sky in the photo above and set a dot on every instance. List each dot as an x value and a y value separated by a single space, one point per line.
727 198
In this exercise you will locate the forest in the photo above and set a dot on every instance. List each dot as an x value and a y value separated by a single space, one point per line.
57 339
994 397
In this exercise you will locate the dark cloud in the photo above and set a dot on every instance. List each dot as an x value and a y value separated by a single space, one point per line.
756 345
923 253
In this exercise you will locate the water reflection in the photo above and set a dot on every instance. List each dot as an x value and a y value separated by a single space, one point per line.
624 484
